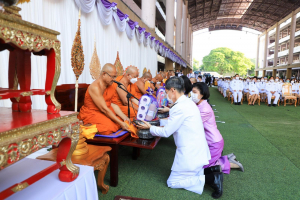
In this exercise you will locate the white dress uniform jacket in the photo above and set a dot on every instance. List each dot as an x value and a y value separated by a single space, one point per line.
294 88
272 87
186 125
192 151
236 86
262 87
253 86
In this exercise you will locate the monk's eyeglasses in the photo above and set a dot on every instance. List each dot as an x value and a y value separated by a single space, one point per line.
113 77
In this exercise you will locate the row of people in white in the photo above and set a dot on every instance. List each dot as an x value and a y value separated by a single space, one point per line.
262 86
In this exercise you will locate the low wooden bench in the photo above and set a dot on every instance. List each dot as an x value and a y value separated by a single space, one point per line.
124 140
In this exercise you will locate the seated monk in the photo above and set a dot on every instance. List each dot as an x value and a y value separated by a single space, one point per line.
119 97
158 81
98 108
140 84
164 75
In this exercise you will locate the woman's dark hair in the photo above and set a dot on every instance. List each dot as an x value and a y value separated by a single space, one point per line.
187 84
203 88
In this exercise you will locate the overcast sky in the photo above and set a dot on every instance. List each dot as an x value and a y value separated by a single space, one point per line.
245 42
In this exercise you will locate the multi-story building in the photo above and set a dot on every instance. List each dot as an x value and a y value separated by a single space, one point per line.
278 52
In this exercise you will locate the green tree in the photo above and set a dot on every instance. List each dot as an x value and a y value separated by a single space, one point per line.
224 60
196 65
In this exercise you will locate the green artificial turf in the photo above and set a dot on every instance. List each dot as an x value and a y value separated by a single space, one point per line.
264 139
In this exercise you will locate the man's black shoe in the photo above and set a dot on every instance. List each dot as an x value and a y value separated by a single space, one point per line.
215 180
274 105
239 103
269 105
212 169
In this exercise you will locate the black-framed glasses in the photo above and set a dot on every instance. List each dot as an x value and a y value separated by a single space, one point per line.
113 77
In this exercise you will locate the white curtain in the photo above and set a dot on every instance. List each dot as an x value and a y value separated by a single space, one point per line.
105 14
86 6
62 16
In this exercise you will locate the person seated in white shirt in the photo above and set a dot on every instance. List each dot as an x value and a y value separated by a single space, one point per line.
253 90
236 86
272 90
226 87
294 88
192 152
262 89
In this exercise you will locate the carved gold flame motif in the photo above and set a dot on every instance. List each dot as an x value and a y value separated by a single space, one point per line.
77 56
23 1
95 66
145 70
119 66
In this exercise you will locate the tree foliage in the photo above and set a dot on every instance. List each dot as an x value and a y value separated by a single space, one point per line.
196 65
224 60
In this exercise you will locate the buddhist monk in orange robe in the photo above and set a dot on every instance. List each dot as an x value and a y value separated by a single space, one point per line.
158 80
98 107
164 75
140 84
119 97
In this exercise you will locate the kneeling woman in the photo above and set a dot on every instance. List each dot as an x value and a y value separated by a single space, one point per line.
200 94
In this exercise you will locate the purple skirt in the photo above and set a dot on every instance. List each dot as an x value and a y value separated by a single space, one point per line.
217 158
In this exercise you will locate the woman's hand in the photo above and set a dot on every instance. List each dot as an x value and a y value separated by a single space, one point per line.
164 110
146 125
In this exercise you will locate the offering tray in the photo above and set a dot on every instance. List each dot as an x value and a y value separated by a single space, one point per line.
163 115
145 133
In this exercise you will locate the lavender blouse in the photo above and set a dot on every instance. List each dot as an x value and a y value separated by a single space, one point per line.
212 133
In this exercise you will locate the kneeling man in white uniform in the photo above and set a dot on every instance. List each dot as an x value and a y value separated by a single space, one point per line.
192 151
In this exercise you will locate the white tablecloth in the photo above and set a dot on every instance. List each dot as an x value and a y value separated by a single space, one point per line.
49 187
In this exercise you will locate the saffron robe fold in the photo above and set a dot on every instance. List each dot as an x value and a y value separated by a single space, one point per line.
117 100
90 113
138 92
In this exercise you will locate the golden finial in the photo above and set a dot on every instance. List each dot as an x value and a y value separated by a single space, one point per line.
77 56
95 67
119 66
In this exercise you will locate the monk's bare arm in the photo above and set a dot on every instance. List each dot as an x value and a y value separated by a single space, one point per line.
122 94
119 112
141 87
98 99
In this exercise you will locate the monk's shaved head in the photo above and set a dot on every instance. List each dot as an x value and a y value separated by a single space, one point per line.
163 74
109 68
147 75
131 72
108 73
159 77
193 80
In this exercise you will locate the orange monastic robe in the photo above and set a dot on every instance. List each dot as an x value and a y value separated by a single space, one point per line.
117 100
90 113
138 92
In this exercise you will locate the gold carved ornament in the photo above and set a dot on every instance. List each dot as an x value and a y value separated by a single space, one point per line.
95 67
35 43
23 1
77 56
145 70
118 65
26 140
